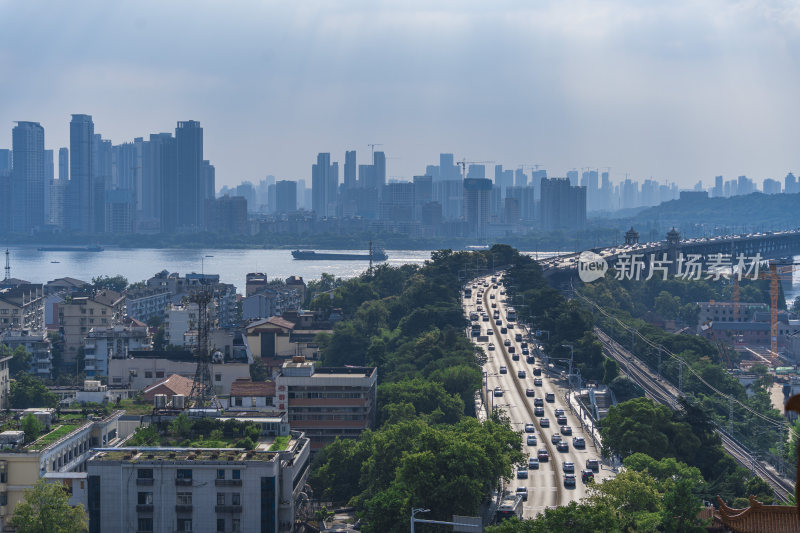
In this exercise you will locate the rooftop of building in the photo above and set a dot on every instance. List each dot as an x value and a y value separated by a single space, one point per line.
271 321
171 385
247 387
144 455
67 282
60 427
217 433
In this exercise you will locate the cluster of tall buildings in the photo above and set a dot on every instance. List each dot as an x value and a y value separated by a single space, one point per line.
158 185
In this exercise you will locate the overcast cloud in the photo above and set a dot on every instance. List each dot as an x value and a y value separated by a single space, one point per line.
671 90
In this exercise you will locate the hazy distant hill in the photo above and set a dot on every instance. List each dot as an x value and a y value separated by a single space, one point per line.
756 211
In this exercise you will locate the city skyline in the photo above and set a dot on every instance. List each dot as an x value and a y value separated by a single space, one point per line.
603 84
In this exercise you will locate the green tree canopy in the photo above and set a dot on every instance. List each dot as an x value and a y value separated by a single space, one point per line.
28 391
46 509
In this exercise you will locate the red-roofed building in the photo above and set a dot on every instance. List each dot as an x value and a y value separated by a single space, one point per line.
172 385
249 395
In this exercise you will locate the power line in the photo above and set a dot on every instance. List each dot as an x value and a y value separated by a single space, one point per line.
681 362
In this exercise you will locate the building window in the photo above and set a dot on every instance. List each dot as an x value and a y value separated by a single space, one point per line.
217 377
184 524
148 374
184 473
184 498
145 498
144 524
144 473
3 498
236 499
237 401
220 524
237 474
235 525
159 373
220 498
220 473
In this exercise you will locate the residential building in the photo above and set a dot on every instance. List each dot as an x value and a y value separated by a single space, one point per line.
324 186
37 344
113 342
169 387
476 205
180 326
144 368
248 395
327 402
285 196
78 314
255 282
22 307
5 382
27 177
66 285
146 302
189 175
563 206
54 459
297 283
163 491
270 302
226 215
80 202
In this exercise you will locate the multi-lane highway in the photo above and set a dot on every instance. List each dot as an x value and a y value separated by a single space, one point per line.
517 394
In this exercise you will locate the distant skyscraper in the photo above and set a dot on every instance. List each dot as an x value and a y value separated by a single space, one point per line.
520 178
5 159
63 163
772 186
476 205
366 177
790 184
503 178
572 176
28 177
102 166
718 187
324 185
208 180
447 169
563 206
49 174
397 202
350 169
379 162
423 194
477 172
80 193
189 153
286 196
158 182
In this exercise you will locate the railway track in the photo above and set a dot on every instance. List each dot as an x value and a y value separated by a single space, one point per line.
666 394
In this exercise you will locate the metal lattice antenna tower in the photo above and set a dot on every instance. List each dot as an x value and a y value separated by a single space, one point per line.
203 395
8 265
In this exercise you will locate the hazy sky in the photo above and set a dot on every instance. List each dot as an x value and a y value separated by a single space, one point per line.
670 90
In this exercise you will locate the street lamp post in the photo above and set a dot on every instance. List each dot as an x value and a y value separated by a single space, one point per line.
414 511
203 266
571 356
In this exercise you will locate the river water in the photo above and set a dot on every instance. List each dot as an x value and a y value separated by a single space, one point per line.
232 265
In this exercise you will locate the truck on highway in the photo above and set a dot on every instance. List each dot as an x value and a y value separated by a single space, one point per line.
510 507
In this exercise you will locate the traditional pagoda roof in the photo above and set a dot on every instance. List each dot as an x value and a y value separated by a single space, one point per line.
760 517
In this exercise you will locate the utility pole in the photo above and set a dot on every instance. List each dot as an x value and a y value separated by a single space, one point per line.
730 414
659 362
680 376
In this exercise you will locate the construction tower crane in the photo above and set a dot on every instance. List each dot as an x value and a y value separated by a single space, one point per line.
775 271
372 148
463 164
